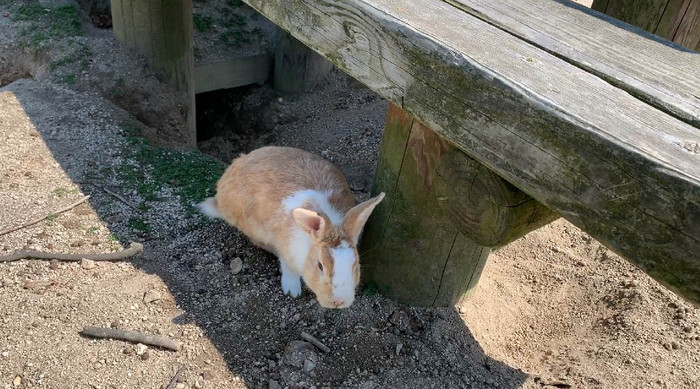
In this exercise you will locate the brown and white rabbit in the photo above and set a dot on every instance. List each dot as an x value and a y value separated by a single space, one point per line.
297 206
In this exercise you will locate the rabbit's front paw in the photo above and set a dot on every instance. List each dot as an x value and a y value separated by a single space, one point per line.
291 285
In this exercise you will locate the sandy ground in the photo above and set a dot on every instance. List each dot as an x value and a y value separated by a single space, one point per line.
554 309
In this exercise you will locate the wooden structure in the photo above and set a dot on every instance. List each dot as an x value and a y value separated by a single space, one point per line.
297 67
675 20
161 30
594 119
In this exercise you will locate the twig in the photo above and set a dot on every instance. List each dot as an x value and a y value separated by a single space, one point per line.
133 249
31 223
177 375
309 338
119 197
132 336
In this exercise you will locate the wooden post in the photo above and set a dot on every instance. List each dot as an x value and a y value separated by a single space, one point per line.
161 30
427 242
675 20
297 67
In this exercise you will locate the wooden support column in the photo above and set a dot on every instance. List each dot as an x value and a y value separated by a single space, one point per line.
161 30
297 67
675 20
427 242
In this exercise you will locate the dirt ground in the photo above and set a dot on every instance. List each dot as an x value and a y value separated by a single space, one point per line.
554 309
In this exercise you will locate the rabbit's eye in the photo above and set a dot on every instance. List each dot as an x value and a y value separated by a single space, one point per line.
320 266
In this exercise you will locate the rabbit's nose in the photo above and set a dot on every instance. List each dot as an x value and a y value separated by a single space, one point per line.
338 302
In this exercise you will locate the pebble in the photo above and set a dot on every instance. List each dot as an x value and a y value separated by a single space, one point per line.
17 381
77 243
399 346
151 296
128 350
207 375
675 346
274 385
53 264
5 354
87 264
141 349
146 355
236 265
309 365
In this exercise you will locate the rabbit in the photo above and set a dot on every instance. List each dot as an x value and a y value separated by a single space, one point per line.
299 207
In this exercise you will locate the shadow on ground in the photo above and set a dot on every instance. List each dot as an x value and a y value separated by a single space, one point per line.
376 343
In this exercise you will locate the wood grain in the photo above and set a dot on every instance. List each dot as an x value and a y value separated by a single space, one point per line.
232 73
297 67
660 74
161 30
622 170
410 250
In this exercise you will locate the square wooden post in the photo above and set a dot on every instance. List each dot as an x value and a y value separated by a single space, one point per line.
161 30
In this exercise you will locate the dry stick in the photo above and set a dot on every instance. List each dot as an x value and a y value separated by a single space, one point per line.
132 336
173 381
31 223
133 249
119 197
309 338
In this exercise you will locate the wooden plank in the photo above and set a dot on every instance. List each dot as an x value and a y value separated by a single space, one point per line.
412 252
623 171
688 33
644 14
671 18
233 73
297 67
653 70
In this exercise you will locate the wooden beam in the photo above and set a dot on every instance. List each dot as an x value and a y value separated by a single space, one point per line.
644 14
625 172
297 67
161 30
640 63
233 73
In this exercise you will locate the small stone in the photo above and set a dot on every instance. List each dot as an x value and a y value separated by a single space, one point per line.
207 375
151 296
462 310
77 243
17 381
87 264
236 265
297 345
667 346
181 378
675 346
53 264
197 385
399 346
141 349
309 365
180 385
128 350
274 385
29 284
146 355
5 354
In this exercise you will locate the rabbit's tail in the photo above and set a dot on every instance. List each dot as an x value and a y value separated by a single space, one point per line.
210 208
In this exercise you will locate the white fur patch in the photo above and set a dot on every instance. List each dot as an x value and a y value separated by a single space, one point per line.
343 280
209 208
319 202
299 246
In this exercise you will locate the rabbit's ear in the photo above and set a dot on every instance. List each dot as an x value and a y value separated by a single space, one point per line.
356 218
310 221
